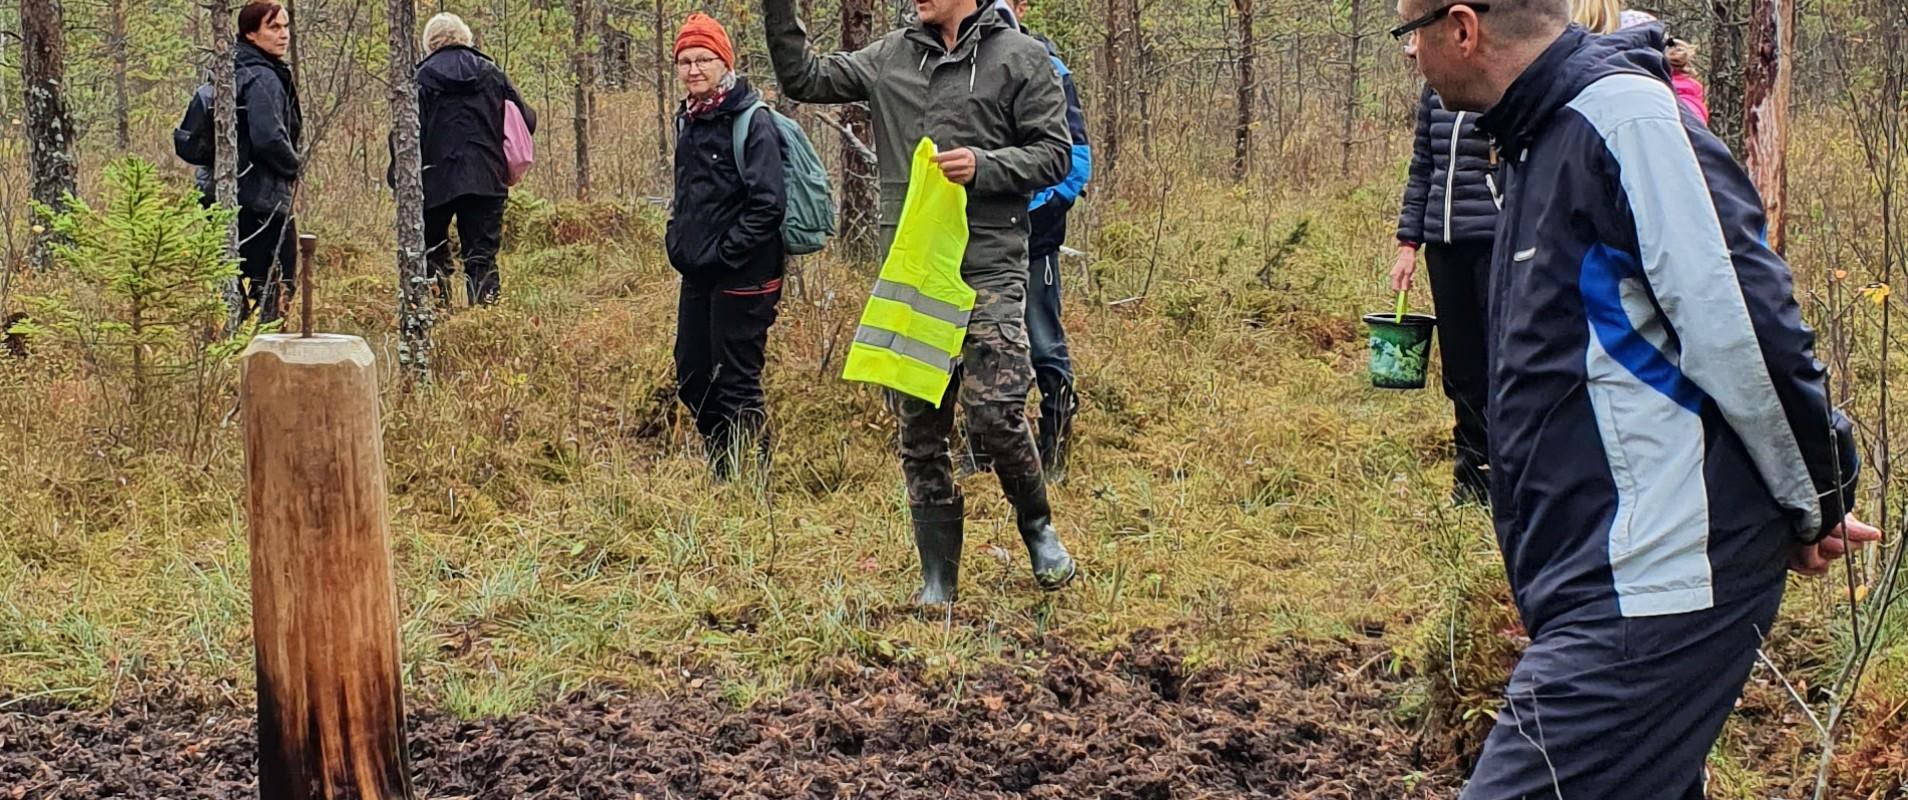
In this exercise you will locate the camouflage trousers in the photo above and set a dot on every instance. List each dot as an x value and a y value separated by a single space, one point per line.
991 382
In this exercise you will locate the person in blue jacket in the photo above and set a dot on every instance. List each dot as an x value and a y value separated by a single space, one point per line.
1662 441
1047 221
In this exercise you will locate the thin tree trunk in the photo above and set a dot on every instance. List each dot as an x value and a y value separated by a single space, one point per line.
122 115
1242 134
415 312
6 109
583 103
1726 113
1352 77
225 144
859 215
1298 80
1139 75
664 131
1766 134
1112 89
49 127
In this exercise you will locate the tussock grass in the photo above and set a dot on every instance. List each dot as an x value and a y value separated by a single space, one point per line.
1236 484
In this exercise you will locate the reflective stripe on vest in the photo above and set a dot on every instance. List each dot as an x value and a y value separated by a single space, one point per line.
915 322
922 304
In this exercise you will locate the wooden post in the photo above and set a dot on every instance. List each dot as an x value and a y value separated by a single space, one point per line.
324 605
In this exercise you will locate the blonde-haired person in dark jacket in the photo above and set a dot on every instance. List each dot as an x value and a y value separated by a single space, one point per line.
460 100
1450 213
724 236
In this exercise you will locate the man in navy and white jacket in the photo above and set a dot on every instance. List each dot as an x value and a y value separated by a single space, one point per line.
1662 443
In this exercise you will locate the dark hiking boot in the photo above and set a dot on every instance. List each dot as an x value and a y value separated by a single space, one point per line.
938 534
1055 435
1052 567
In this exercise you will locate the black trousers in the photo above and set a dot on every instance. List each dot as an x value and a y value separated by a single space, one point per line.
479 234
721 347
1460 282
268 262
1623 707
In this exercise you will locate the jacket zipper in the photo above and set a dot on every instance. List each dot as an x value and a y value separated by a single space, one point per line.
1450 173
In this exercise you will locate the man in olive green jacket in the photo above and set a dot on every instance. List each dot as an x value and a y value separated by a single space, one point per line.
991 101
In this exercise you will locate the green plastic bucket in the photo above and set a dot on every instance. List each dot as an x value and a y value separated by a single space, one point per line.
1400 349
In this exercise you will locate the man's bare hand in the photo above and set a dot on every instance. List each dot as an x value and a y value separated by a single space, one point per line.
956 164
1847 537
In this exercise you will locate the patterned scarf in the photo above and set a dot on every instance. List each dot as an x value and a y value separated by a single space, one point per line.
696 108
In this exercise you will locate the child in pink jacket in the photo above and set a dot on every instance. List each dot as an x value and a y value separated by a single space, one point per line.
1688 90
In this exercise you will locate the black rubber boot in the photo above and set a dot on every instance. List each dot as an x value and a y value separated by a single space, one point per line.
1052 567
938 533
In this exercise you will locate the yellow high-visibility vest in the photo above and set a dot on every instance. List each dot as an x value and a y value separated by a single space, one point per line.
916 319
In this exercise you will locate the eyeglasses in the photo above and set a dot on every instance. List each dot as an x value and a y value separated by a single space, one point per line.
700 64
1432 18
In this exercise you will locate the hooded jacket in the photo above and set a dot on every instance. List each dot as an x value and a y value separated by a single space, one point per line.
725 226
1660 430
270 129
460 97
1449 197
995 91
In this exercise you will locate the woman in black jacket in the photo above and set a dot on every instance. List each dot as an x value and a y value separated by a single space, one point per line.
1450 211
724 236
460 100
269 131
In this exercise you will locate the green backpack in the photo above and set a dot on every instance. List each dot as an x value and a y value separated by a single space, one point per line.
809 218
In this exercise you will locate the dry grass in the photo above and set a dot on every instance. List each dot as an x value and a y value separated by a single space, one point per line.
1237 484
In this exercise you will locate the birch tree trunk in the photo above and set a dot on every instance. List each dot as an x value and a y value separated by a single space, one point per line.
416 313
49 126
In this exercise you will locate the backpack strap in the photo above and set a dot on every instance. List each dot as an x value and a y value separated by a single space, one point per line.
741 132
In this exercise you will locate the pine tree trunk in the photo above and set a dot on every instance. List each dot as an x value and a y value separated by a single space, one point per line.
415 312
583 77
1352 77
225 144
665 132
860 217
1139 69
122 115
1242 134
1766 101
1725 74
49 127
1112 89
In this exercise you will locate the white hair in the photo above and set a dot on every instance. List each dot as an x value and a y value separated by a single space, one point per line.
444 30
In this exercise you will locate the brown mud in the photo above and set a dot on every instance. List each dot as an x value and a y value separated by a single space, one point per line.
1132 724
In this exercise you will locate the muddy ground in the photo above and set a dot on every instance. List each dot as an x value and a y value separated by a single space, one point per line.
1130 725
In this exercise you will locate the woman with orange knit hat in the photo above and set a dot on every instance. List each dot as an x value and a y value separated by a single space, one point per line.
724 236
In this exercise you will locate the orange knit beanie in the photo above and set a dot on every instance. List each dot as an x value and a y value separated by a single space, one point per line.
700 30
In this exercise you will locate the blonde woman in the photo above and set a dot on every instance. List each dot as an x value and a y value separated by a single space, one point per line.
1598 16
460 100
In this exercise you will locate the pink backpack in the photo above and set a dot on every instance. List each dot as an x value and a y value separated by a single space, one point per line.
519 151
